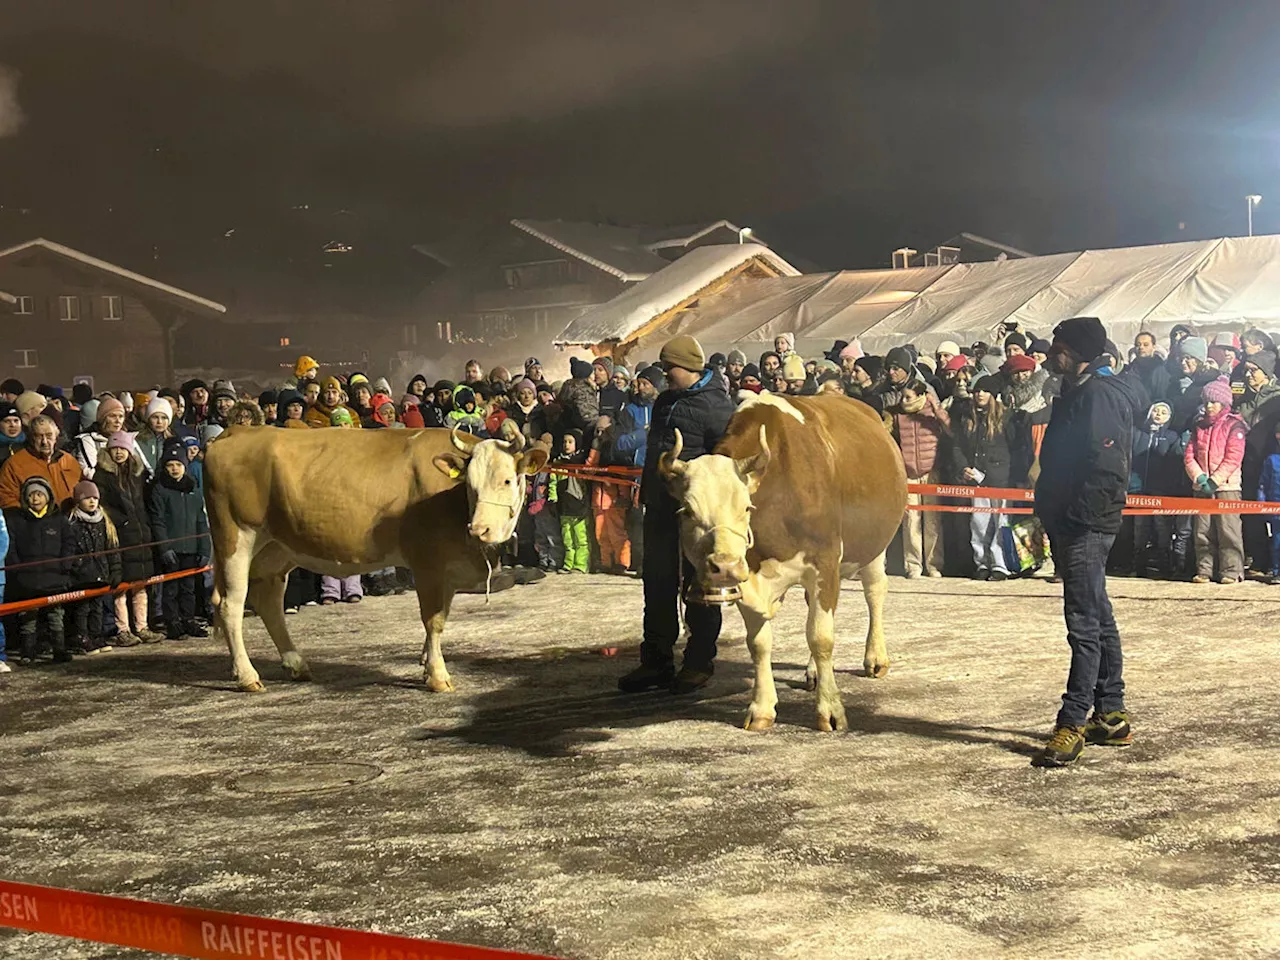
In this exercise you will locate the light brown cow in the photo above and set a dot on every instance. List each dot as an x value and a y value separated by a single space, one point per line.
801 490
342 502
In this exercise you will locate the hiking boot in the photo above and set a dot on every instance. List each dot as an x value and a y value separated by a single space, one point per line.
1199 578
150 636
126 639
62 656
194 630
1063 749
1109 729
647 677
998 575
174 633
690 679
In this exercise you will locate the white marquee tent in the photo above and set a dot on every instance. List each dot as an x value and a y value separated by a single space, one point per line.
1231 283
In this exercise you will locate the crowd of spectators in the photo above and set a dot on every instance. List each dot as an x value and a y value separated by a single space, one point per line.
118 475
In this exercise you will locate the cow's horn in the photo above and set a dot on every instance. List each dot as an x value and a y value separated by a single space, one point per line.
670 463
458 442
515 437
755 466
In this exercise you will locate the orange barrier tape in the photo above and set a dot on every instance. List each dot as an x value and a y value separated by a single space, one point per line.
950 508
211 934
18 606
104 553
1136 504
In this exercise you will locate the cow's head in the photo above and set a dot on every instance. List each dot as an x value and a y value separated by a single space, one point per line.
495 472
715 509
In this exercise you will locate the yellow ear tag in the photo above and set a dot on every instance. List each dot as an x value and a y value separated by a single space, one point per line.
454 473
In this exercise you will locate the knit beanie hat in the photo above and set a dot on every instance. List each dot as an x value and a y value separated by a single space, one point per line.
267 397
328 382
685 352
526 384
948 346
793 367
603 362
30 403
174 449
1086 336
717 361
989 384
81 393
736 356
1016 339
121 439
579 369
107 407
1019 364
12 385
1217 391
873 366
620 369
88 413
223 389
1039 346
190 440
531 362
85 488
958 362
1264 360
655 376
340 417
7 410
852 351
159 405
210 431
928 362
30 482
788 338
899 357
382 385
304 366
751 370
1160 405
1195 347
141 399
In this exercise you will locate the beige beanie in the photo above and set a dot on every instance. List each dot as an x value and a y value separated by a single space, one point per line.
30 404
793 368
684 351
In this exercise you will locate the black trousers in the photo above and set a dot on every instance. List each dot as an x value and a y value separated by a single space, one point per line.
662 571
86 619
180 594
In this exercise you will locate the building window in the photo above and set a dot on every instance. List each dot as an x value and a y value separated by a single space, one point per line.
68 309
112 308
27 359
284 341
410 334
26 307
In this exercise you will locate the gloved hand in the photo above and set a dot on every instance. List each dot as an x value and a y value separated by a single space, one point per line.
169 560
201 560
1202 483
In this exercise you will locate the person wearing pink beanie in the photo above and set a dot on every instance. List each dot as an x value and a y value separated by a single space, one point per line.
1213 461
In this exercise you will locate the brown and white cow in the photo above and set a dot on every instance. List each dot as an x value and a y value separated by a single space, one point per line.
801 490
342 502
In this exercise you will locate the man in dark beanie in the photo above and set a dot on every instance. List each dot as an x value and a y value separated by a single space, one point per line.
11 390
1084 475
697 405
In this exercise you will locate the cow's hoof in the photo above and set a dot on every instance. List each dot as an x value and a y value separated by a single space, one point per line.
440 685
811 680
296 667
253 686
876 670
831 721
757 721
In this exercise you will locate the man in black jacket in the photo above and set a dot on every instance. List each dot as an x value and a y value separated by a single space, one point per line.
697 405
1084 475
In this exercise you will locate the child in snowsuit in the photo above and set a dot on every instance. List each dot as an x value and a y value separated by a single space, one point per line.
177 514
1213 460
39 532
1156 469
570 494
97 566
1269 492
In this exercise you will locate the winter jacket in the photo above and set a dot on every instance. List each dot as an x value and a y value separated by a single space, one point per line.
581 406
1269 483
62 472
1156 462
971 447
1217 450
919 433
610 400
1154 376
90 537
11 445
86 448
1186 402
1253 407
38 538
150 446
631 432
571 494
125 501
319 414
176 509
701 414
1085 456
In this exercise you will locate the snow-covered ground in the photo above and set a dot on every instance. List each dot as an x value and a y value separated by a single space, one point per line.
538 809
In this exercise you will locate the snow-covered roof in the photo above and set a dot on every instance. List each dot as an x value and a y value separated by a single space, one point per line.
676 283
7 297
88 261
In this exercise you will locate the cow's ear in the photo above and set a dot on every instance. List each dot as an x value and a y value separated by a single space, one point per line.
751 469
532 461
451 465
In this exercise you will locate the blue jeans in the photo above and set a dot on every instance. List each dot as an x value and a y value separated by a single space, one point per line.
1096 679
984 537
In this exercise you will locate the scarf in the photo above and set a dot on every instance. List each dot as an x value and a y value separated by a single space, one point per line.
914 406
527 410
96 517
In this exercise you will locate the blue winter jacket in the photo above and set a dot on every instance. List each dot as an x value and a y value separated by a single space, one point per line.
1269 482
632 432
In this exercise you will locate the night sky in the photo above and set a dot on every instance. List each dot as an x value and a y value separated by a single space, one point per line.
838 130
